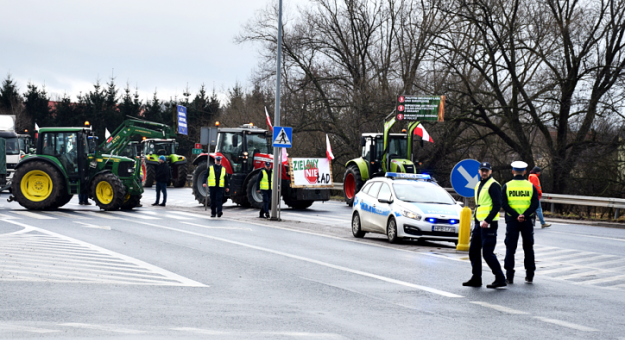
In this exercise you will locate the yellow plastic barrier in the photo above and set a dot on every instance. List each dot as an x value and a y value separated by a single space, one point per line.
464 230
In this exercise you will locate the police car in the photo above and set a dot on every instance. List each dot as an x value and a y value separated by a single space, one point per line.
408 206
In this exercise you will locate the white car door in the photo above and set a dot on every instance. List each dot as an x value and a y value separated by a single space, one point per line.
382 210
368 204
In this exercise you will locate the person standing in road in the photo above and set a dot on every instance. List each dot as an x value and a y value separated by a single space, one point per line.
533 178
265 185
83 199
217 180
484 233
520 201
162 178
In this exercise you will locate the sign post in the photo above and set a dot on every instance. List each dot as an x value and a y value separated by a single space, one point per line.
277 155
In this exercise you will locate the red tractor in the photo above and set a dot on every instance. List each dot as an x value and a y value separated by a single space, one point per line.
244 151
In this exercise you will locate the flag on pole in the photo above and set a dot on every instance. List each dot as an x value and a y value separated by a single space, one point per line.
285 156
36 127
420 131
107 134
329 153
268 119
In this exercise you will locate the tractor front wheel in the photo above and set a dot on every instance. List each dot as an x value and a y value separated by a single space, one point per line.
352 183
131 201
149 174
253 197
199 191
108 191
180 181
37 185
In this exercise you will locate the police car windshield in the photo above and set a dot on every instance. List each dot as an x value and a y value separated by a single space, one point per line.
412 191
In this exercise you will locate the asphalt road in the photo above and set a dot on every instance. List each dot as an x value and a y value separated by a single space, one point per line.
173 272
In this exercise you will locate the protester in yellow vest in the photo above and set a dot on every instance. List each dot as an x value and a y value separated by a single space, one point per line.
484 233
216 179
520 201
264 183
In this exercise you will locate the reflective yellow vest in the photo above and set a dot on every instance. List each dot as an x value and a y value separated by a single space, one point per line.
484 201
264 182
211 177
519 193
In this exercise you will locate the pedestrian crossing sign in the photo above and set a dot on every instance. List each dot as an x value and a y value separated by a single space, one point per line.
282 136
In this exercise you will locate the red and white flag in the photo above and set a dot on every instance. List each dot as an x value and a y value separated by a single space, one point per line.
329 153
420 131
36 127
285 156
268 119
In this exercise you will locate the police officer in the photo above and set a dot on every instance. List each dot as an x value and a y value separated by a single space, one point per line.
484 233
265 185
520 201
217 181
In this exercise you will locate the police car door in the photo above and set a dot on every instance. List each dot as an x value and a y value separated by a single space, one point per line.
367 206
382 210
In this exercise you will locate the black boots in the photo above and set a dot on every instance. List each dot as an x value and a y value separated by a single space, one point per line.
473 283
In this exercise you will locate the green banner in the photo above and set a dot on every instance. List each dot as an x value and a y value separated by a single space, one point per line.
197 151
423 108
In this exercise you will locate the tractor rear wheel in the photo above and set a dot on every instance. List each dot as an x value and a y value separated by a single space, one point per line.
352 183
38 185
199 191
108 191
131 201
64 199
182 175
149 175
254 198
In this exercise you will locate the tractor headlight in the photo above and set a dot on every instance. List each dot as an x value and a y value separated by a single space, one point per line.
410 214
131 170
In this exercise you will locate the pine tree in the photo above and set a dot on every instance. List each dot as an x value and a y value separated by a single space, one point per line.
37 107
153 109
130 105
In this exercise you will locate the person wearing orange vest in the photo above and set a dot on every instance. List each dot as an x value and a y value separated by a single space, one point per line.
519 201
533 178
484 233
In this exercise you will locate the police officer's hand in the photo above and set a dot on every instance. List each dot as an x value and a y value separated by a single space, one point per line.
521 218
258 191
204 185
227 189
484 224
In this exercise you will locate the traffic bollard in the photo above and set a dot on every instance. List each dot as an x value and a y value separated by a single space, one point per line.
464 230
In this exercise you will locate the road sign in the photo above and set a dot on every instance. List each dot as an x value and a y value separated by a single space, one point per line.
198 145
465 176
423 108
182 119
197 151
282 136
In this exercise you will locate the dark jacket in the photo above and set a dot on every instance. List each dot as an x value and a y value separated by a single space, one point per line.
162 172
511 214
495 194
218 170
260 178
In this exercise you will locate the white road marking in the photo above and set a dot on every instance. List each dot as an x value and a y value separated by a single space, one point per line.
166 215
66 215
16 268
301 258
498 307
18 328
591 236
317 217
109 328
604 280
187 214
207 227
569 256
38 216
133 215
93 226
580 274
563 269
8 217
97 214
256 334
594 259
566 324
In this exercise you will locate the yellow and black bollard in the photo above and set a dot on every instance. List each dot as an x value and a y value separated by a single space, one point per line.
464 230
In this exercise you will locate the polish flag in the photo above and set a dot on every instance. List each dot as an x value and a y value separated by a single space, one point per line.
329 153
36 127
107 134
268 119
420 131
285 156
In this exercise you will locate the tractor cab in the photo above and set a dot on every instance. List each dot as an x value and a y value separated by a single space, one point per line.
25 143
159 147
70 147
245 148
373 152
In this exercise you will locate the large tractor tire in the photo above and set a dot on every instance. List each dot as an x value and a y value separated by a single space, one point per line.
131 201
149 175
64 199
108 191
255 199
298 205
352 183
38 185
241 200
199 191
182 176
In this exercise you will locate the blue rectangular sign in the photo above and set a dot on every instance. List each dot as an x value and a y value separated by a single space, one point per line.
282 136
182 119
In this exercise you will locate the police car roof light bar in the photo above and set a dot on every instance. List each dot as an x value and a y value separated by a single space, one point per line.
395 175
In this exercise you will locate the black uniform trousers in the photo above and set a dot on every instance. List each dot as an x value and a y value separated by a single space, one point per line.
217 199
266 201
513 229
483 240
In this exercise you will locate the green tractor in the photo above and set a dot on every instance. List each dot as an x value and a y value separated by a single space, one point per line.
65 165
381 152
152 149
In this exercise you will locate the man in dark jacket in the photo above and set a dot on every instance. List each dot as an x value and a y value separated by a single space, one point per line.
162 179
264 185
217 181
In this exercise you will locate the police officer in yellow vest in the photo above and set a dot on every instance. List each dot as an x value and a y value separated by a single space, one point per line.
484 233
265 185
217 180
520 201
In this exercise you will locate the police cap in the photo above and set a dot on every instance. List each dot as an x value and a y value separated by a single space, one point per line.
519 166
267 163
485 166
218 158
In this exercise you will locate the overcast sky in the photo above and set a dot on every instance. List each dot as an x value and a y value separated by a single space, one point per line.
151 44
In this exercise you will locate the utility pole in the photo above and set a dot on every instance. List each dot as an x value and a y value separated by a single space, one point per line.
277 154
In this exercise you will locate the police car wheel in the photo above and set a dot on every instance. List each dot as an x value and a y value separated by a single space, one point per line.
356 231
391 231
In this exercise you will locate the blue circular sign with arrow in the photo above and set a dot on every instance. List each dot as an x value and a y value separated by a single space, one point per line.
465 176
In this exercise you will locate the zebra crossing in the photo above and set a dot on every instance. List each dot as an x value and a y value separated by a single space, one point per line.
34 254
138 214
